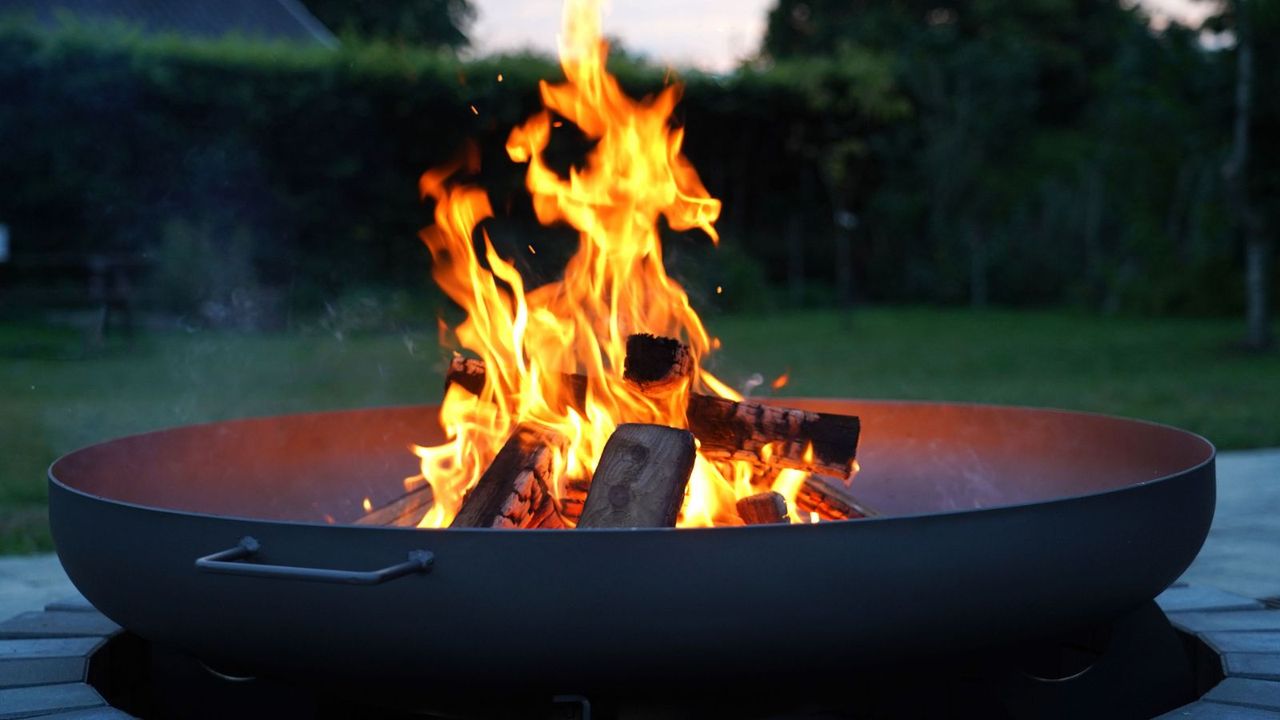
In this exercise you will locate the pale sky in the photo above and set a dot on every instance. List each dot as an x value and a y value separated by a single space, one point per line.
708 34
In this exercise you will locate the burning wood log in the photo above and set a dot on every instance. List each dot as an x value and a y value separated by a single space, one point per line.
640 479
575 494
405 511
513 493
743 431
468 373
730 430
763 509
656 365
830 499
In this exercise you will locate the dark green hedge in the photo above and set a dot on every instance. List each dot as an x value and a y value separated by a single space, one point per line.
302 164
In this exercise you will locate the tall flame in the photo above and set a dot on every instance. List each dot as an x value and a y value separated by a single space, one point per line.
614 285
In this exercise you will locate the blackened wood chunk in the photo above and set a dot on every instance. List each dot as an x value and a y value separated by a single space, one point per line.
513 493
467 373
640 479
730 430
656 364
547 515
575 495
405 511
742 430
831 500
763 509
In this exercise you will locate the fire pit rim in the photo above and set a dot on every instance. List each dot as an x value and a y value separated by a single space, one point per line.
1208 446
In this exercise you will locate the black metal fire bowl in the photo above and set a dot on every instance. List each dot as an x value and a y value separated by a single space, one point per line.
1000 525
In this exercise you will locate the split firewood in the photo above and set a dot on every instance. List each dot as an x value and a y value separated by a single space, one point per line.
743 430
656 365
814 442
763 509
468 373
765 435
405 511
571 502
729 430
546 514
512 492
830 499
640 479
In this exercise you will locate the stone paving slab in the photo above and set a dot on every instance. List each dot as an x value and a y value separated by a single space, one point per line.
1262 666
1244 642
105 712
1226 621
71 603
30 582
1198 598
45 671
33 570
46 699
1204 710
45 661
49 647
1263 694
57 624
1242 553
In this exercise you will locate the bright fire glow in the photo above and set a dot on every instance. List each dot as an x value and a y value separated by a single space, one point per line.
615 285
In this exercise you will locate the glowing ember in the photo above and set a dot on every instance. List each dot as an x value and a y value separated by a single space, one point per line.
615 285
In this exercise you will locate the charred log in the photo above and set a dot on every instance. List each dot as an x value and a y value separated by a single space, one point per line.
573 498
656 365
640 479
763 509
469 374
831 500
512 492
405 511
773 435
730 430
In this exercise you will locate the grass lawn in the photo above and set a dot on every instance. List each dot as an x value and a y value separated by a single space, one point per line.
1182 372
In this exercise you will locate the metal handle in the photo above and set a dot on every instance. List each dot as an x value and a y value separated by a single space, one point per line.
226 562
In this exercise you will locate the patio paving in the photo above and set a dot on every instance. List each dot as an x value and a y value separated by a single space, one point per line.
1241 555
29 582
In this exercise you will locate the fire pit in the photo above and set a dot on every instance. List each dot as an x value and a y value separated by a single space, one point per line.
998 525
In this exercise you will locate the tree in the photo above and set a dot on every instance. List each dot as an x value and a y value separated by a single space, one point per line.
982 81
434 23
1251 183
1032 124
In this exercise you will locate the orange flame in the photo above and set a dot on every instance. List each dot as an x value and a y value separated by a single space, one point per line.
614 285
